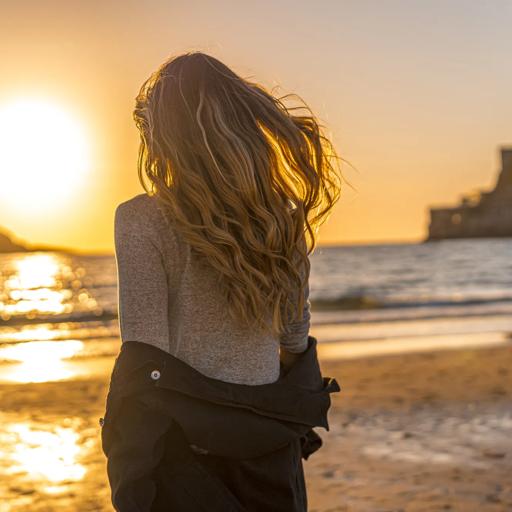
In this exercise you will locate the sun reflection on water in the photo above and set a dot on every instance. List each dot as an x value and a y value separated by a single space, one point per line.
34 271
39 361
33 287
42 300
33 333
46 455
42 284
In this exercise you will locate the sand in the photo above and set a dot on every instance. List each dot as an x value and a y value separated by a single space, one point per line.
411 432
418 432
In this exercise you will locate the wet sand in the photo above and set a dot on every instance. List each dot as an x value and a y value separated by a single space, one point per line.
412 432
418 432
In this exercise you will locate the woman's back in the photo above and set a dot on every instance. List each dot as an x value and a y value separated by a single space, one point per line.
213 267
169 298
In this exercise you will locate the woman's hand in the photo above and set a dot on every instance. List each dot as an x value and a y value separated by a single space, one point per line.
288 358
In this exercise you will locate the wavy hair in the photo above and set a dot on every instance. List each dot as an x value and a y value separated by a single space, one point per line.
244 179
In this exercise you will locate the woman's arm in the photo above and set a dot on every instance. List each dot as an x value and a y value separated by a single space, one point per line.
142 280
295 340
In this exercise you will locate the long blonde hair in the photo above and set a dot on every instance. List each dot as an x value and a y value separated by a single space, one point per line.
245 180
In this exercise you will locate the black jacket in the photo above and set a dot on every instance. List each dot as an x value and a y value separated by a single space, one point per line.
165 423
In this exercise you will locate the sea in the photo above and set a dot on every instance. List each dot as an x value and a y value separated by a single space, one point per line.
59 308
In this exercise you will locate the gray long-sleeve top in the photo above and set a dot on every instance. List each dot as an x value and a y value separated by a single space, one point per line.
168 298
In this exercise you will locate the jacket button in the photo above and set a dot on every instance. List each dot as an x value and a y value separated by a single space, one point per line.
155 374
102 422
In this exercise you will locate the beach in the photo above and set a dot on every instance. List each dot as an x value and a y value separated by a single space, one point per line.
423 421
418 432
414 432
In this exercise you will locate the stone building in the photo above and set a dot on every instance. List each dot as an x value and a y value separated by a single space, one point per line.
487 215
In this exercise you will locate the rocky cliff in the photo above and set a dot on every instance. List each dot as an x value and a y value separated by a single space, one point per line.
8 245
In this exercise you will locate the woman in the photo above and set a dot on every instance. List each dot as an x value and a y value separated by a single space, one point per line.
216 389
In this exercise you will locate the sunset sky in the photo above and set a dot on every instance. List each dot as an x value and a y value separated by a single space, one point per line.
417 96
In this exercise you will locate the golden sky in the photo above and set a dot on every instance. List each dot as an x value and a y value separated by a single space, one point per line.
417 96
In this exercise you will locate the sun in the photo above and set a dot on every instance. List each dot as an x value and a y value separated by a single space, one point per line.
44 154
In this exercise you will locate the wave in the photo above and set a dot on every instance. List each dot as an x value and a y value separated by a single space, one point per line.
82 316
352 303
368 302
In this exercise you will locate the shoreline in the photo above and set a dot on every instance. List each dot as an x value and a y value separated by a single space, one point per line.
343 350
100 366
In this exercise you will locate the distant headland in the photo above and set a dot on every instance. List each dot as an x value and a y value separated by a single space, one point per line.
488 215
9 243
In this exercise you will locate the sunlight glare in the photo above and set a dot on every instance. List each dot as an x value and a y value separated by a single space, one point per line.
39 361
47 456
44 154
34 288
